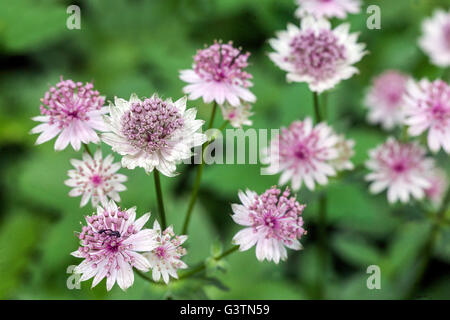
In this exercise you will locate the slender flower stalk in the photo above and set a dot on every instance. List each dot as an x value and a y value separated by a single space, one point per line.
316 107
86 147
198 177
159 196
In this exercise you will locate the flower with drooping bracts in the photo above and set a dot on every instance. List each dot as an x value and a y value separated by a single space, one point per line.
165 259
317 54
95 178
303 153
110 244
218 74
385 99
327 8
73 111
153 133
428 108
401 168
272 221
435 39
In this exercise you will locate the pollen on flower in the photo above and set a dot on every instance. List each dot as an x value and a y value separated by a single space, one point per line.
273 221
148 123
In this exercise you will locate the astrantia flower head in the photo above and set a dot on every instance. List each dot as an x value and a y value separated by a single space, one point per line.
238 116
345 152
273 221
303 153
435 40
401 168
438 186
72 110
165 259
316 54
385 99
96 179
109 245
153 133
327 8
428 108
218 74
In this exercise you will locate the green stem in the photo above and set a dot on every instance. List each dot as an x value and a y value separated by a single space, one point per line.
86 148
162 213
316 107
429 245
198 177
202 266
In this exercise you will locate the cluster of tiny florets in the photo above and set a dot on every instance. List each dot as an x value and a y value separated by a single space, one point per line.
70 100
222 63
149 123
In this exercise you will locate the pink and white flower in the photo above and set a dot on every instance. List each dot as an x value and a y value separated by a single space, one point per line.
218 74
385 99
109 245
345 151
401 168
435 39
238 116
272 221
438 186
317 54
153 133
165 259
428 108
72 110
96 179
327 8
302 153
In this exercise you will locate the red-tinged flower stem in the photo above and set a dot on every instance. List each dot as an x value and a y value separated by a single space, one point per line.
428 248
198 177
86 148
159 196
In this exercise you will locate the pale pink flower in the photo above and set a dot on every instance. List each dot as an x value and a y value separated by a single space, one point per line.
218 74
302 153
272 221
238 116
345 151
72 110
153 133
428 108
165 259
96 179
385 99
435 39
438 186
401 168
109 245
317 54
327 8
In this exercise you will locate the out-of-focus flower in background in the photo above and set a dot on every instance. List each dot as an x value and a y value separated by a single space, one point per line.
72 110
153 133
302 153
218 74
238 116
109 245
327 8
401 168
428 108
345 151
95 178
435 39
385 99
272 221
438 186
165 259
317 54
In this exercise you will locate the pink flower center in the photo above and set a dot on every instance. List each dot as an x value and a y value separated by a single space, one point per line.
149 124
160 252
70 101
222 63
316 55
96 180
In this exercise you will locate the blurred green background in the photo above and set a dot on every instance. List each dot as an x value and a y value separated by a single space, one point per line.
139 46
